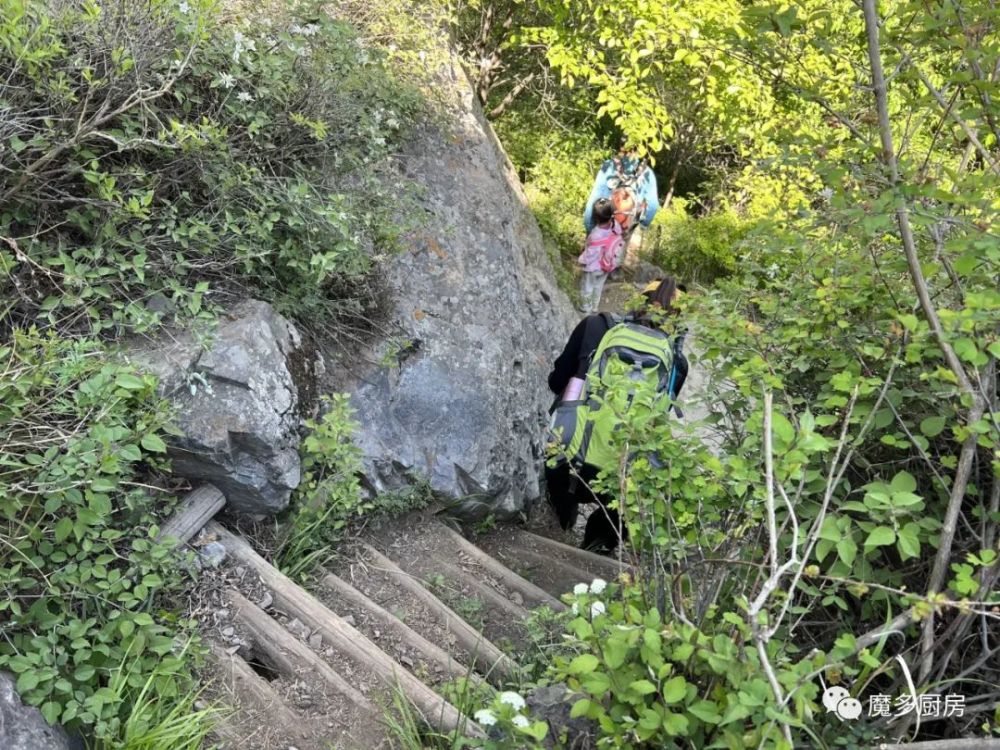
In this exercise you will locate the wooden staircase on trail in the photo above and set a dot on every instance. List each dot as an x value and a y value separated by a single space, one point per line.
408 609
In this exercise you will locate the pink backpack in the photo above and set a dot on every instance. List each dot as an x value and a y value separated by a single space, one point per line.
607 249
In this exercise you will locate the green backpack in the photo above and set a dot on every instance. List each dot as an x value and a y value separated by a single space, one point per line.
582 430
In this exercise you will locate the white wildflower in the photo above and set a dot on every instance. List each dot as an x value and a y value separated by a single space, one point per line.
576 609
238 38
580 589
596 608
184 8
227 80
512 699
520 721
245 96
485 717
422 55
311 29
826 193
598 585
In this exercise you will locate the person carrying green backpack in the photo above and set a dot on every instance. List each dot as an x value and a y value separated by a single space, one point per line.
642 362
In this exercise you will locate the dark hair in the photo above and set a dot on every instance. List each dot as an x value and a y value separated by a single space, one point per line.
603 212
663 296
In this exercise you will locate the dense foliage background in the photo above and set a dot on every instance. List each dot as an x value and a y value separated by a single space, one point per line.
830 176
834 170
156 160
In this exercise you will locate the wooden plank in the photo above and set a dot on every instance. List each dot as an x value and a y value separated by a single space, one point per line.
347 640
570 574
404 632
290 655
610 566
197 509
531 593
258 704
483 590
493 662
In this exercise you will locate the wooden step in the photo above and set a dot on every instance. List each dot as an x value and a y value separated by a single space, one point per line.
291 656
607 567
532 594
486 592
347 640
433 653
260 718
197 509
494 664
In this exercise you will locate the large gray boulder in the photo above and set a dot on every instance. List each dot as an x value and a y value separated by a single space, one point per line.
22 727
461 396
237 405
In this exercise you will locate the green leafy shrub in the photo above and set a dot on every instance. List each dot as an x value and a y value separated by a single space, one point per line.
152 147
85 585
329 495
696 249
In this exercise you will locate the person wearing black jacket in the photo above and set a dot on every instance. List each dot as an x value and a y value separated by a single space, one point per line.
567 487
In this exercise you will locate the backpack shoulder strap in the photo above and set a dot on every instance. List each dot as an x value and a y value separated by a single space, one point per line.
611 319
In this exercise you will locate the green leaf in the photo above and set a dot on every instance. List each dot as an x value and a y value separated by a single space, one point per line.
880 537
583 664
847 550
908 541
674 689
153 443
707 711
932 426
903 482
27 681
675 724
129 382
63 528
642 687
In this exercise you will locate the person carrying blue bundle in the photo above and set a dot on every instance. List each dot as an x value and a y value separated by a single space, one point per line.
630 185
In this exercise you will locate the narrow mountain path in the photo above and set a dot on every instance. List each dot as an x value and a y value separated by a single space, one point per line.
412 606
408 609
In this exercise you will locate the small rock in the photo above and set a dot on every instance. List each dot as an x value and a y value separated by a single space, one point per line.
266 600
212 554
316 641
233 650
22 727
240 571
517 599
406 661
222 614
295 627
229 632
350 620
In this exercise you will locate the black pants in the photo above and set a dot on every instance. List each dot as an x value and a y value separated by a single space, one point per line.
567 490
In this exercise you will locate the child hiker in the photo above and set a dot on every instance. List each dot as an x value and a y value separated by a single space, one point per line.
601 255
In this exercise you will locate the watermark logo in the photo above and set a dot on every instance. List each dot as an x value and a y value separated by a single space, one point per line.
837 699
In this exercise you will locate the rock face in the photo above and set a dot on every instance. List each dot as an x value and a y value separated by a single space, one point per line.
237 405
553 704
22 727
465 402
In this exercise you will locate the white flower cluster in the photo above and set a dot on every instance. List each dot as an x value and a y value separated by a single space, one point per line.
597 586
310 29
227 80
488 718
242 44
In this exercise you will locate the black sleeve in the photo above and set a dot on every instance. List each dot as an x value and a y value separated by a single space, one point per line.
681 368
575 357
566 363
